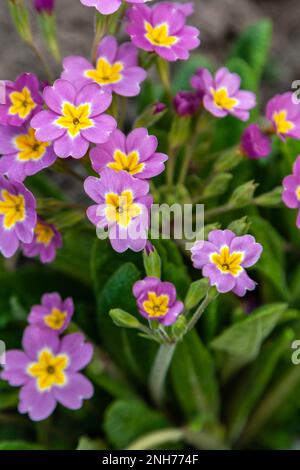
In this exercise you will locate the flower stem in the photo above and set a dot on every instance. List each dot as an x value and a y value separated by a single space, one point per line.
211 295
159 372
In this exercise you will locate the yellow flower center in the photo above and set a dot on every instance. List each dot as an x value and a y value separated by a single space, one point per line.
228 262
21 103
125 162
298 193
75 118
222 100
156 305
44 233
121 208
159 35
13 209
283 126
49 371
105 73
55 319
30 148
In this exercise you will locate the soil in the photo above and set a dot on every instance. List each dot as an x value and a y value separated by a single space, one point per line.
220 21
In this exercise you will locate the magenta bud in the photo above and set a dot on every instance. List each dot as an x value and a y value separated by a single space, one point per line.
159 108
44 6
186 103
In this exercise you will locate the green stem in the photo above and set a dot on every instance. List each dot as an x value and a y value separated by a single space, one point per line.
101 26
41 58
211 295
163 68
158 438
159 372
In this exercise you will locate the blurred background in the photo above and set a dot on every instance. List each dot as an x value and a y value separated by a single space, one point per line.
220 22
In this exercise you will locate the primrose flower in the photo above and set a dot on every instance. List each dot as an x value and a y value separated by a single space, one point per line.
22 100
17 216
223 259
48 372
44 6
222 94
254 143
23 154
284 115
135 154
157 300
122 206
107 7
116 68
186 103
291 186
53 314
74 118
162 29
45 242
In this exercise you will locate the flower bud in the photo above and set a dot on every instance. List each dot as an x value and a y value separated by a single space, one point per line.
179 328
196 293
218 185
186 103
240 226
243 195
228 160
44 6
254 143
152 261
270 199
124 319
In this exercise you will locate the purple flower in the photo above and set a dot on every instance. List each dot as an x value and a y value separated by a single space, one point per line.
17 216
291 186
116 69
23 154
45 242
74 118
135 154
186 103
22 100
48 372
122 206
44 6
159 108
54 314
284 115
157 300
197 82
162 29
254 143
222 95
107 7
223 259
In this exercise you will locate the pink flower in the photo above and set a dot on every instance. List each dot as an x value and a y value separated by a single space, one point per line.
45 242
222 95
54 314
135 154
223 259
122 207
74 118
23 100
23 154
291 193
48 372
157 300
254 143
17 216
116 69
107 7
162 29
284 115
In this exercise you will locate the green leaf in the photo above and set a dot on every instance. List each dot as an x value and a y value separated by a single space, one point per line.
254 382
193 378
272 261
241 342
85 443
254 44
126 420
19 445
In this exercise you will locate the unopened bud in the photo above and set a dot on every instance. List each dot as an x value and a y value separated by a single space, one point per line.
271 199
124 319
196 293
179 327
152 262
240 226
243 195
218 185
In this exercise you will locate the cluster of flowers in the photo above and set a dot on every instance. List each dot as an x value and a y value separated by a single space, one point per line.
48 369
